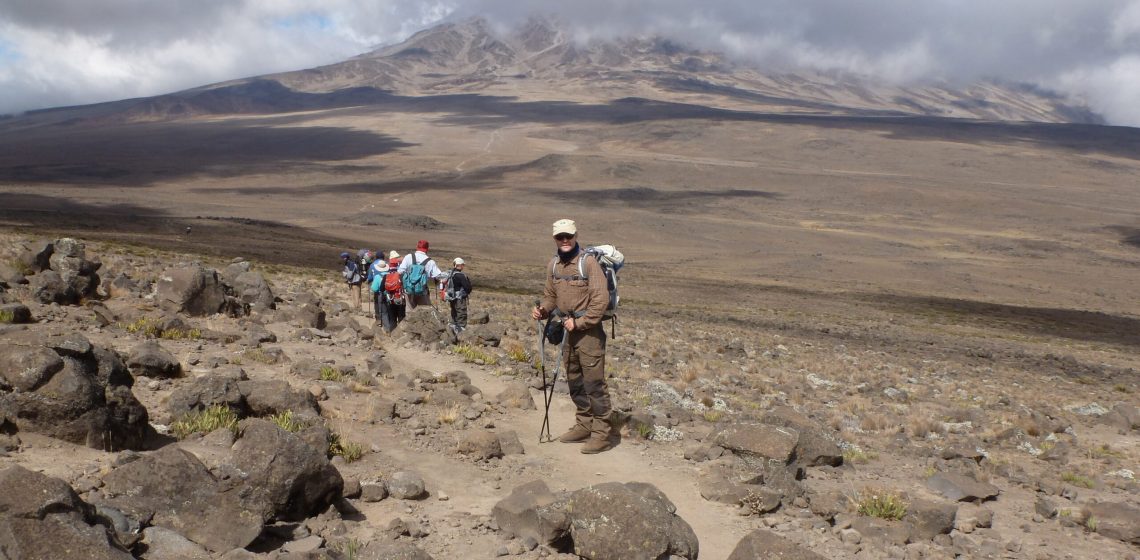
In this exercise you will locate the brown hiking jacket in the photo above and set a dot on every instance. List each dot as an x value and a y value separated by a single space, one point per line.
571 294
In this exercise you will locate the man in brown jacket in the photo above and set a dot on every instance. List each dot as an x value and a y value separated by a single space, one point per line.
581 302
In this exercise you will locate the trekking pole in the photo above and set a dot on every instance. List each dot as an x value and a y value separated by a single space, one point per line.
545 429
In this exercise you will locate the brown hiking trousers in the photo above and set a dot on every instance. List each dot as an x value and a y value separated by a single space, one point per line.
585 365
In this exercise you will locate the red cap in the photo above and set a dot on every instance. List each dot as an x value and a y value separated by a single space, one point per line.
422 246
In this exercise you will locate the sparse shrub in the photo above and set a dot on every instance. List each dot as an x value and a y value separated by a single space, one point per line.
7 316
1078 480
348 549
179 334
258 355
350 450
471 354
712 415
644 431
1091 523
1103 451
858 456
450 414
288 421
880 503
876 422
205 421
754 502
516 352
921 427
1121 388
329 373
143 325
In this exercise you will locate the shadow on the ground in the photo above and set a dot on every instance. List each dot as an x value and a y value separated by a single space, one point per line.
1128 235
261 240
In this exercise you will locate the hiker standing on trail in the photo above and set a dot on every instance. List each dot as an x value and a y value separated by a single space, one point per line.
394 291
415 270
375 283
581 302
458 288
352 277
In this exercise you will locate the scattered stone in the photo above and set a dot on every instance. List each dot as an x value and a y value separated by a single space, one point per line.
193 289
150 359
405 485
930 518
759 440
393 550
516 395
510 444
766 544
161 543
480 445
959 487
373 492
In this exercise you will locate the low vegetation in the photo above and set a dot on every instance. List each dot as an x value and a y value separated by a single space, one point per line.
289 422
473 354
329 373
880 503
205 421
349 450
1078 480
7 316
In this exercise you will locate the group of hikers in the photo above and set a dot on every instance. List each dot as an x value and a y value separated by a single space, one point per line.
579 294
398 284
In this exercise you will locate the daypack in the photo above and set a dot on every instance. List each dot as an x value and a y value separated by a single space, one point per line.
446 287
416 279
611 261
393 287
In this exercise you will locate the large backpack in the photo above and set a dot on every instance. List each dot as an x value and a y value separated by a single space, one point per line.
416 278
446 286
611 261
393 287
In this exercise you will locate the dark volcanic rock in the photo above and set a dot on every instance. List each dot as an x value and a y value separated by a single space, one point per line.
1116 520
174 489
532 511
930 518
15 313
614 521
194 290
252 289
766 544
43 518
71 390
49 287
286 478
816 444
150 359
759 440
38 256
206 391
274 396
959 487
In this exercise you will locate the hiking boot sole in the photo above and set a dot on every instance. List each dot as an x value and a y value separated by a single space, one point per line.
591 449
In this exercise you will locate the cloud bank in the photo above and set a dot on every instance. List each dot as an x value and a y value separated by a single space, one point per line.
59 52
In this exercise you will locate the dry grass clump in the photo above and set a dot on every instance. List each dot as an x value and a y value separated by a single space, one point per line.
451 414
350 450
472 354
877 422
289 422
516 352
329 373
880 503
921 425
205 421
258 355
1078 480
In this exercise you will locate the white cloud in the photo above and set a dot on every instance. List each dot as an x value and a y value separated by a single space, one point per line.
56 52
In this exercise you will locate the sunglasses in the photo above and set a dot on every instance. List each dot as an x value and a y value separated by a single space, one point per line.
564 237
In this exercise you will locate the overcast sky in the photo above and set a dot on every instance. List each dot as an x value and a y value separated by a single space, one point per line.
61 52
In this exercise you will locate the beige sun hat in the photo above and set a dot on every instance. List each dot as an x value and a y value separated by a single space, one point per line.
393 254
458 261
565 226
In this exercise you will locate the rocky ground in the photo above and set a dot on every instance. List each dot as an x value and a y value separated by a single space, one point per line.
790 431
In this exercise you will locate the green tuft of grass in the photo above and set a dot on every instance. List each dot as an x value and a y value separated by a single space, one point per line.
143 325
860 457
350 450
179 334
712 415
329 373
519 354
205 421
881 504
1092 523
288 421
7 316
349 549
1078 480
471 354
644 431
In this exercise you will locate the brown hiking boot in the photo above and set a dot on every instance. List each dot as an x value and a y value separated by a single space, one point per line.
577 434
596 445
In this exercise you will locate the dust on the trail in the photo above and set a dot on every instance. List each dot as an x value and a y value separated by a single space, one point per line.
718 527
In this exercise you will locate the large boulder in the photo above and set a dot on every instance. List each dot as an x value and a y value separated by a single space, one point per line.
193 289
38 256
286 478
961 488
70 260
15 313
614 521
532 511
176 491
150 359
206 391
252 289
43 518
66 388
760 441
1115 520
274 396
49 287
816 444
761 544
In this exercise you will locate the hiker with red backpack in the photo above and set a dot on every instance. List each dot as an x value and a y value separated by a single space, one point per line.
415 271
577 293
393 294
